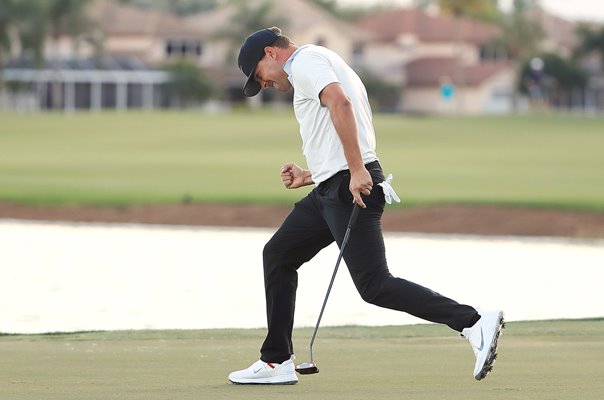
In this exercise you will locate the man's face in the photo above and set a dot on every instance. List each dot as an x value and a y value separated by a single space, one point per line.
269 72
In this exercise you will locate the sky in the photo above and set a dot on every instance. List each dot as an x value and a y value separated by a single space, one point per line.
584 10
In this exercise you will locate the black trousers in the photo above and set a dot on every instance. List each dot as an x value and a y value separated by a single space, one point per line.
314 223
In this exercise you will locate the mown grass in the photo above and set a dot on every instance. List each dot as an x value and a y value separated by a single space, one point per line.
538 360
170 157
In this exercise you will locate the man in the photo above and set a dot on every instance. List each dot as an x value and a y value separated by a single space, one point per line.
330 103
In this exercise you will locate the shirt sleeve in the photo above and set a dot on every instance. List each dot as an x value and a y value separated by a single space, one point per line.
313 72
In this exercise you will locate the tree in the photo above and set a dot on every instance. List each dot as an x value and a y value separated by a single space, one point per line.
31 22
21 32
480 9
187 84
383 96
66 17
21 27
591 40
560 77
9 13
520 38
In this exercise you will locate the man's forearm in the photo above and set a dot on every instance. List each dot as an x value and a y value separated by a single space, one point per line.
344 121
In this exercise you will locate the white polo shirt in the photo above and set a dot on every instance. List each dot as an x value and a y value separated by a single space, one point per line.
310 69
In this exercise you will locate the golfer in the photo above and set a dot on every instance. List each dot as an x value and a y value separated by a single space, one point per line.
338 141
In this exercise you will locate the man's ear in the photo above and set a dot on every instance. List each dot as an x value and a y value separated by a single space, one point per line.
270 52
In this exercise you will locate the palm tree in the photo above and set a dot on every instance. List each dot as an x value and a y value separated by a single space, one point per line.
7 19
64 18
21 31
520 38
18 19
520 35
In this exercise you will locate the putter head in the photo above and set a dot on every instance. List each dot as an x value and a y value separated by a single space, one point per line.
307 368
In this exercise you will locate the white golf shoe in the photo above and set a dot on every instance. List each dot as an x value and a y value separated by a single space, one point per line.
483 337
267 374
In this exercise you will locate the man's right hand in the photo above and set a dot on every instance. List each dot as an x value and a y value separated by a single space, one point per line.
360 184
294 176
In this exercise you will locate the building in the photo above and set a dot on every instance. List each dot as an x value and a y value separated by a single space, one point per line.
156 37
137 42
85 83
125 72
444 85
444 64
301 20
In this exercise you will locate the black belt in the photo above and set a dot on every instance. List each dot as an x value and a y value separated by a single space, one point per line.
368 166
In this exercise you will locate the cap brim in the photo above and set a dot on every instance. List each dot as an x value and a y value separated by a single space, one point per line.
252 86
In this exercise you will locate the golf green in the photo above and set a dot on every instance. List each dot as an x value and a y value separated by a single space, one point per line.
537 360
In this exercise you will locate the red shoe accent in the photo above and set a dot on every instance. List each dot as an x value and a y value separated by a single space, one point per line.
270 365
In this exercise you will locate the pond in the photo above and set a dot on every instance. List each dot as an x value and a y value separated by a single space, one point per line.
74 277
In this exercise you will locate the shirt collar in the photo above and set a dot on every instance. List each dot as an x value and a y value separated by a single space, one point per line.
287 67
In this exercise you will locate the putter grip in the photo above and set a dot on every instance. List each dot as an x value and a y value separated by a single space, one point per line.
354 215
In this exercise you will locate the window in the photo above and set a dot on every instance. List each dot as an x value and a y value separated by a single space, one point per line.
358 50
492 53
183 48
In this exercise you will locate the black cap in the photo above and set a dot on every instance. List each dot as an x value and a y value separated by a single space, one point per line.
251 52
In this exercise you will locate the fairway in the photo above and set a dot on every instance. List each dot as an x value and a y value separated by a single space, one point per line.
173 157
538 360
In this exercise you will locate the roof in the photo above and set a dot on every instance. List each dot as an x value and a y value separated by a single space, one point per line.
108 63
389 25
430 71
111 69
121 19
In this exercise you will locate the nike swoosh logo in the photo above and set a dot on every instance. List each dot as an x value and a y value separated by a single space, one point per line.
481 341
257 370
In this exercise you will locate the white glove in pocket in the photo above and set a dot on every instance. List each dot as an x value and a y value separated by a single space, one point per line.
389 193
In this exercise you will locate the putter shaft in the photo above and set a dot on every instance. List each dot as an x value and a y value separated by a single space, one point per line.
351 222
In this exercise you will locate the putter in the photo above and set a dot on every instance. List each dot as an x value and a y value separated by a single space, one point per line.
308 368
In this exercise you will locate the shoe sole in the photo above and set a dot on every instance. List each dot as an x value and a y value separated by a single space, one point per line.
287 379
264 383
488 365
